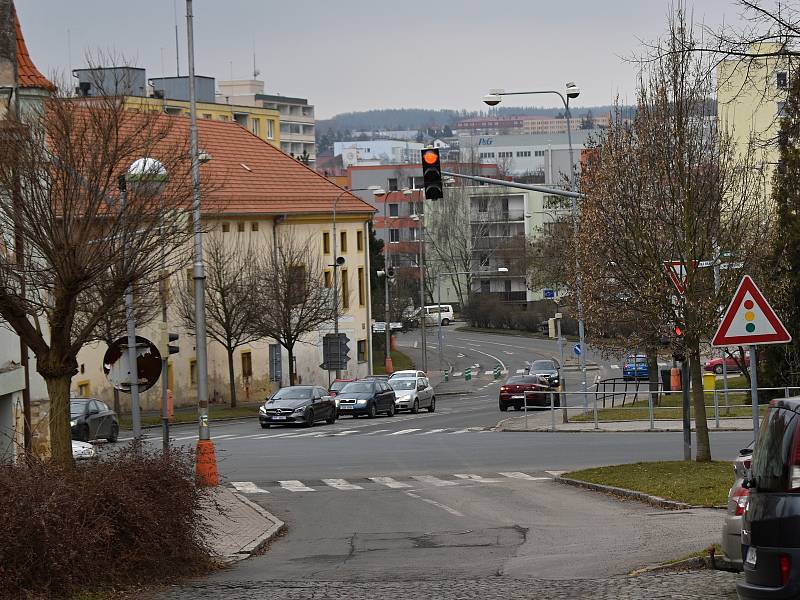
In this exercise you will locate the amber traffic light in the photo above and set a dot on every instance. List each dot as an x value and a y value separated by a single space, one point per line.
432 174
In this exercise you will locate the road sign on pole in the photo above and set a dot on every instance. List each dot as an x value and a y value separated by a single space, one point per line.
676 269
577 349
750 320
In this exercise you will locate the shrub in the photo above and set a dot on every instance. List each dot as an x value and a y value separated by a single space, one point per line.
131 519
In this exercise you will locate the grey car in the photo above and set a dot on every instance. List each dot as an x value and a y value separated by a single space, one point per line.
298 404
547 371
413 393
737 501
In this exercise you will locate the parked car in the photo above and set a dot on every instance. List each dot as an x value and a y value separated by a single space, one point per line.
635 367
737 501
770 527
407 374
519 390
367 397
547 371
413 393
337 385
303 404
715 364
91 419
433 315
82 450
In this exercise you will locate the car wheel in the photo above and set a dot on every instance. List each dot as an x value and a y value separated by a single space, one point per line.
415 407
264 425
718 369
503 407
445 322
432 407
371 411
83 436
390 412
114 435
309 420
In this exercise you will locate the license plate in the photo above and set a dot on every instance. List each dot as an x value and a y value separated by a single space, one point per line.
279 418
518 397
751 556
345 407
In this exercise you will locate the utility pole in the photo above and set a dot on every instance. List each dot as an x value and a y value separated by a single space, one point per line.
387 360
422 291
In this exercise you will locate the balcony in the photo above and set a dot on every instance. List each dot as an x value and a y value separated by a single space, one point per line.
508 296
497 216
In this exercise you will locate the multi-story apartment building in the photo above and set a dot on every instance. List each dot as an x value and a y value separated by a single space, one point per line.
377 152
171 95
296 115
529 124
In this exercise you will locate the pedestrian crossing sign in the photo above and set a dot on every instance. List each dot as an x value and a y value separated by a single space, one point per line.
750 320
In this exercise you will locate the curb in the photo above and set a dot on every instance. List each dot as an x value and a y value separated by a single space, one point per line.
626 494
262 540
548 430
694 563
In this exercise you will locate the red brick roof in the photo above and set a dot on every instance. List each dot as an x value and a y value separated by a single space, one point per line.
27 73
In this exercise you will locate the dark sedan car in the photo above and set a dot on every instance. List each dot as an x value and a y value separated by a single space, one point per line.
521 390
367 397
771 526
298 404
91 419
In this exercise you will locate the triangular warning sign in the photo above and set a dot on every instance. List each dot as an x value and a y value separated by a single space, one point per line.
676 269
750 320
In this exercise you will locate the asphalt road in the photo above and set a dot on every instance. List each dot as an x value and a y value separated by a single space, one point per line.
438 500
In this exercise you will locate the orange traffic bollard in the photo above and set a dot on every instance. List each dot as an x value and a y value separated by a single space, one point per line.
206 464
389 366
675 379
393 342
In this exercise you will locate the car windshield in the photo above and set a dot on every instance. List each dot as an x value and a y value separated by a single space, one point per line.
403 384
292 393
639 359
338 385
543 365
77 407
358 387
520 379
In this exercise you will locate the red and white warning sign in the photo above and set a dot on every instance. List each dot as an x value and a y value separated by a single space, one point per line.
676 269
750 320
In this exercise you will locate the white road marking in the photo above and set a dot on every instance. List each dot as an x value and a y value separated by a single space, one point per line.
434 481
346 432
297 435
377 432
615 366
555 473
520 371
507 352
277 435
341 484
477 478
488 372
180 439
444 507
389 482
404 431
293 485
244 437
458 431
459 355
518 475
432 431
456 374
227 435
248 487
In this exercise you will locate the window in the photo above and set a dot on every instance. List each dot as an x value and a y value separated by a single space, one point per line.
254 226
538 152
326 242
486 286
207 115
240 227
393 184
226 227
362 291
360 241
247 364
328 279
781 108
343 241
270 129
394 210
782 80
416 183
193 372
507 285
505 154
362 351
345 290
412 234
256 127
84 389
394 236
483 205
523 153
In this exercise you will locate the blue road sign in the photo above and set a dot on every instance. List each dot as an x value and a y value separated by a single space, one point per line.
550 294
577 349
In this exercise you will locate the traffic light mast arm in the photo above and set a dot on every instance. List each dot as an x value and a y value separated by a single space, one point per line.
522 186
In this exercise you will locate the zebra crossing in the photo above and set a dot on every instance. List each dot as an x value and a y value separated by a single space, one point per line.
379 482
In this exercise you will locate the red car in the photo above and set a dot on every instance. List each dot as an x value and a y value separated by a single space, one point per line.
519 390
337 385
715 364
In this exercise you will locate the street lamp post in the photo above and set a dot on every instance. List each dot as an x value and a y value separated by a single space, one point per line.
493 98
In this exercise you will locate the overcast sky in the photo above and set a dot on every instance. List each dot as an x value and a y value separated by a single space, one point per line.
346 55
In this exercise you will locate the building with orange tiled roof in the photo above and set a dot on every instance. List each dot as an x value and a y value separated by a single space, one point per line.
257 193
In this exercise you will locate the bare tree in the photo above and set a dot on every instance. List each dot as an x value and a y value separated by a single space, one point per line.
293 301
670 185
60 170
230 304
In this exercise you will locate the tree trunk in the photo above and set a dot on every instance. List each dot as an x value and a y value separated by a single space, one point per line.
290 350
60 431
231 378
698 402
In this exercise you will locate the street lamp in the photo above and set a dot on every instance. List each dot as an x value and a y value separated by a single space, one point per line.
571 91
439 301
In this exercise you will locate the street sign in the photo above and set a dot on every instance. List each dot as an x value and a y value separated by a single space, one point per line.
676 270
549 294
117 369
750 320
577 349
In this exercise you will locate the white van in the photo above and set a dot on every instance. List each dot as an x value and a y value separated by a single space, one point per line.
443 312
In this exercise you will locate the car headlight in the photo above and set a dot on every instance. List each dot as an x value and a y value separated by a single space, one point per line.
73 423
299 410
404 398
262 409
361 401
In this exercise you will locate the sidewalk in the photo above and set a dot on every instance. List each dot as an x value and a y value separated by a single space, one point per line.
541 420
237 526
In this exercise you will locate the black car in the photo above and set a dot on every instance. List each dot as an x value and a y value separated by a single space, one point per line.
367 397
91 419
771 524
303 404
547 371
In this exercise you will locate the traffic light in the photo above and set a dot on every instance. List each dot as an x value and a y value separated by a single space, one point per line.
679 330
432 174
172 337
679 350
344 350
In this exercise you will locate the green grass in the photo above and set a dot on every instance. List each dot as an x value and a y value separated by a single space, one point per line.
190 416
400 362
703 484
